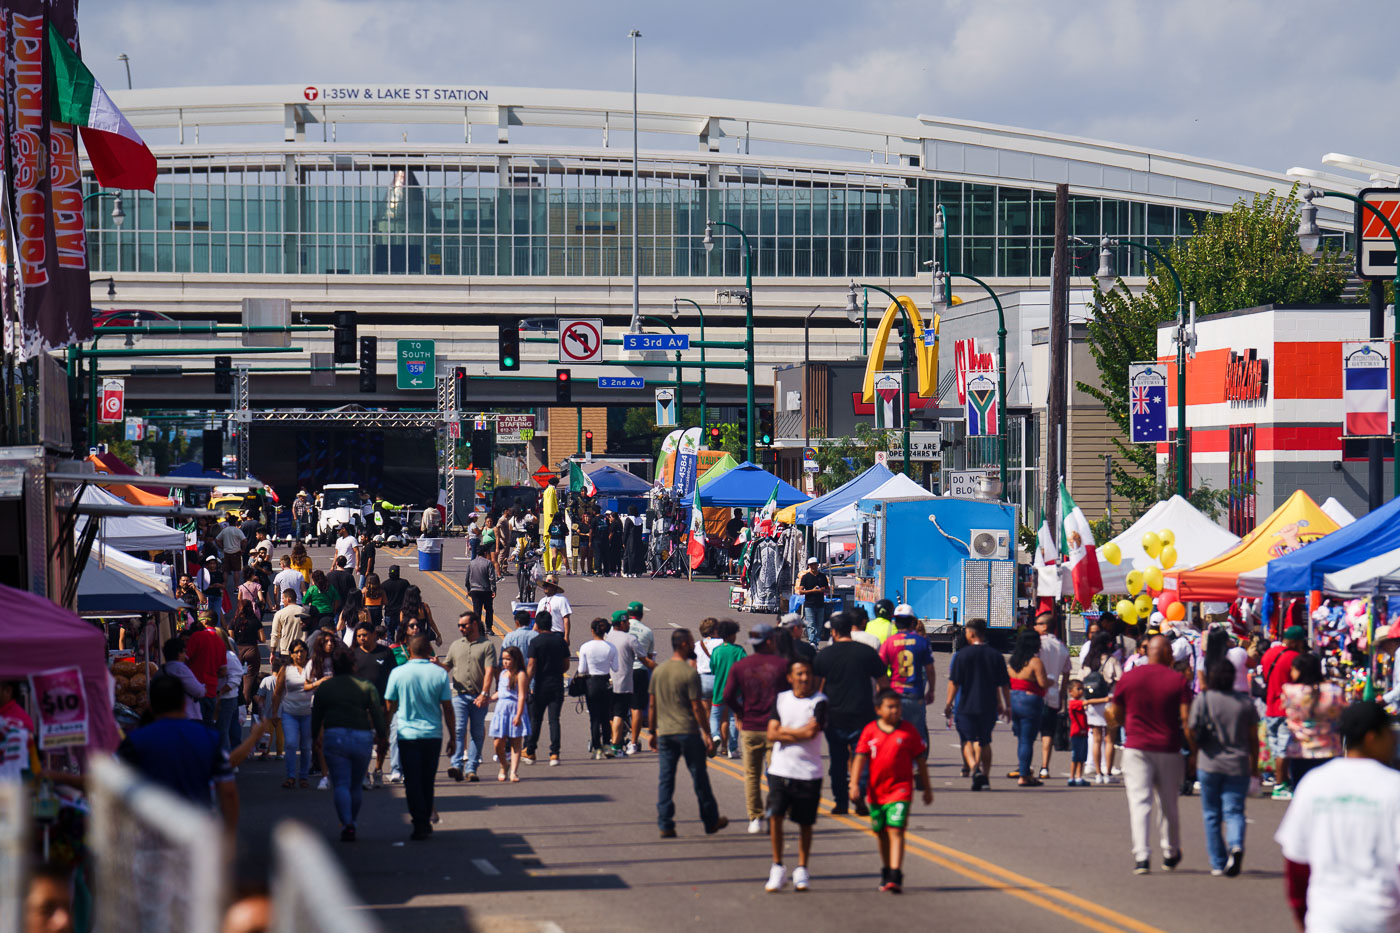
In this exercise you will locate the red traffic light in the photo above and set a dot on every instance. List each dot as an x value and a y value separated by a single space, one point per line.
588 435
563 375
714 432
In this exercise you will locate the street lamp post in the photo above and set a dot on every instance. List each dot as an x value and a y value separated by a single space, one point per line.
634 35
1001 361
1107 280
709 244
125 60
906 350
679 390
806 380
1310 238
676 313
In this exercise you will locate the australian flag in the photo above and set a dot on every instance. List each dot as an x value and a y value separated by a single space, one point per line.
1147 403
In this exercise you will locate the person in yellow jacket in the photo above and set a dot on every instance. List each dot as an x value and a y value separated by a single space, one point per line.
882 626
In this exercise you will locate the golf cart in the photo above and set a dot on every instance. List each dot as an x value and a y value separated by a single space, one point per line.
340 505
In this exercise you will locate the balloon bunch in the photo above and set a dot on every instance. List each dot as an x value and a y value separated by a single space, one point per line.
1146 583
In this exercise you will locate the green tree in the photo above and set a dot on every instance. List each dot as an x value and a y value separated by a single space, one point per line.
841 459
1246 257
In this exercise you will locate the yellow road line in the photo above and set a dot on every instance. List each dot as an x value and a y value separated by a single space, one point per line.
498 627
1033 892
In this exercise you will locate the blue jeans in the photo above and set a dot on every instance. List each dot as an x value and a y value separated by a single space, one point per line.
1026 709
670 750
841 747
717 712
347 758
468 714
296 734
395 766
297 526
814 618
914 711
227 724
1222 795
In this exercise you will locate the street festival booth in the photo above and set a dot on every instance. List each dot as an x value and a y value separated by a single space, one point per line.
1338 512
807 513
129 532
715 518
617 489
136 495
1341 627
771 553
840 529
1196 540
64 660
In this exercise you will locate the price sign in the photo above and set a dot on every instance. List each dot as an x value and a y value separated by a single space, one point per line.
62 706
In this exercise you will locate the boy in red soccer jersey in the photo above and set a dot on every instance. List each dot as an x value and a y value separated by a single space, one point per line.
892 748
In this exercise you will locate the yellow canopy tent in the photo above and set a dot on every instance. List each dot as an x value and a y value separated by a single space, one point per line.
1297 522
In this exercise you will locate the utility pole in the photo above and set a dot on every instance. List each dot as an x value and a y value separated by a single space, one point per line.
1055 429
1375 453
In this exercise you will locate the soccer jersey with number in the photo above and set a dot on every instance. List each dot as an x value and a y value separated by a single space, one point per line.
892 756
907 654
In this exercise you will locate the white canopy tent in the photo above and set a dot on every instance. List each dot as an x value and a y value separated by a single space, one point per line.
129 532
842 522
1379 574
1198 539
1337 512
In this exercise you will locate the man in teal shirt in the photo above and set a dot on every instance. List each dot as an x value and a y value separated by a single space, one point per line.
420 701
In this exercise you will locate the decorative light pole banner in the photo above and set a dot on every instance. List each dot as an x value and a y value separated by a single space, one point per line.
889 413
665 408
1365 388
983 411
62 706
1147 403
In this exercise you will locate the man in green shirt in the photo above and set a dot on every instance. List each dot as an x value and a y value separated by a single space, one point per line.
724 728
420 701
474 662
676 726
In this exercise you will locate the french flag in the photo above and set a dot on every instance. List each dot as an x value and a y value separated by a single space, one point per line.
1365 390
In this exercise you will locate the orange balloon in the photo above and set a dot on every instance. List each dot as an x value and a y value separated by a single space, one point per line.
1176 612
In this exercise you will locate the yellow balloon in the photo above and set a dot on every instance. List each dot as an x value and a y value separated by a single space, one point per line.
1152 576
1134 582
1168 557
1143 604
1151 544
1127 611
1112 553
1166 536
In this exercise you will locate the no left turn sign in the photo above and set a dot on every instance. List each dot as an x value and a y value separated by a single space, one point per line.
581 340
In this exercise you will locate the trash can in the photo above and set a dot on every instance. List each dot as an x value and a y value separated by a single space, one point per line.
429 553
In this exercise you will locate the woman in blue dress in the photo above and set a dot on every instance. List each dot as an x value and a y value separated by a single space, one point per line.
511 723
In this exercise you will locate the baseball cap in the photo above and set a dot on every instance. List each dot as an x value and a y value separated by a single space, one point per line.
790 618
760 633
635 608
1295 633
904 609
620 615
1157 617
812 560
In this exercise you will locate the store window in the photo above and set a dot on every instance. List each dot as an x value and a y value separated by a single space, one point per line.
1241 479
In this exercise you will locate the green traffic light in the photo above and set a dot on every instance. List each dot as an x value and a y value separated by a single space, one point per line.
507 362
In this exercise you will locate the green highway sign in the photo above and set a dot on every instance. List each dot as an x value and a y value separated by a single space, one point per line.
417 364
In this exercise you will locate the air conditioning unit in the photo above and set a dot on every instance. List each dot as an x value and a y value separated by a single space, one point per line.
991 544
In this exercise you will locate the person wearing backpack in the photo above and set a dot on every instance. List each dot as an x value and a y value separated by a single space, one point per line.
1103 671
1276 669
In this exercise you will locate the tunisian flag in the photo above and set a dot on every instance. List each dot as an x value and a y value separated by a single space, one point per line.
1077 544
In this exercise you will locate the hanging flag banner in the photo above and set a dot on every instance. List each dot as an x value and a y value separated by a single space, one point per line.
1147 403
889 413
43 183
983 412
966 360
665 408
1365 382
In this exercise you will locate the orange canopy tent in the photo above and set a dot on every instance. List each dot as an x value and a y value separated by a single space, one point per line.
1297 522
133 494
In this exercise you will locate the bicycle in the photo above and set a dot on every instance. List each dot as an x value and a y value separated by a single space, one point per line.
530 572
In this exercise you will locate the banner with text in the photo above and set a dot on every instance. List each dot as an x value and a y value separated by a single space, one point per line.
983 409
1147 403
1366 388
62 706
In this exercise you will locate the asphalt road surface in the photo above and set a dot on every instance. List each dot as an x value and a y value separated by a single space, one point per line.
576 848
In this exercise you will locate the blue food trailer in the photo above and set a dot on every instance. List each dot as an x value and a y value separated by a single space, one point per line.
950 559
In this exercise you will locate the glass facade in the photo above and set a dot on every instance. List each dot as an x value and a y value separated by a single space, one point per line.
452 215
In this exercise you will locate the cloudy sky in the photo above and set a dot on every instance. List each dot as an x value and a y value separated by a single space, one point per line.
1264 83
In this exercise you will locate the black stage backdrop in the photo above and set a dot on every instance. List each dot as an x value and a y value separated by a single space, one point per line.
399 465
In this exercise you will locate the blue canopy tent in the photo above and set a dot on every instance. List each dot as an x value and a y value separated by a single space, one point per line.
190 468
748 486
610 481
1301 571
843 495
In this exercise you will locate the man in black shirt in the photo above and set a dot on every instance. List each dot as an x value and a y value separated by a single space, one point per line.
979 693
850 674
813 587
549 660
365 566
373 664
394 588
342 581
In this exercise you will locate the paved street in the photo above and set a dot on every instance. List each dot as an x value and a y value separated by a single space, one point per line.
577 846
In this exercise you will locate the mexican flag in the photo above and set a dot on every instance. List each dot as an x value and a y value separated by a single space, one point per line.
580 481
120 158
765 515
1047 563
1077 545
696 546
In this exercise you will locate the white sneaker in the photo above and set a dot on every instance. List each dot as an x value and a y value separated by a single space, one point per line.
395 777
733 755
777 875
756 827
800 878
324 785
631 748
368 783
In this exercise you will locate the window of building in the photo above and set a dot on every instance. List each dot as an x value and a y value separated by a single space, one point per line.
1241 479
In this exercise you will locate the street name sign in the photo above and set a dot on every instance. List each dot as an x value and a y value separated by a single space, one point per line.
656 341
621 382
417 364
